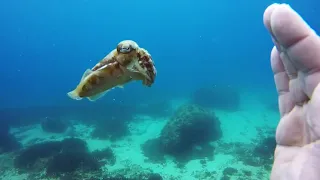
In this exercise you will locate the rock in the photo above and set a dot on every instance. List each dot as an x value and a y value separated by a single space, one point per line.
190 125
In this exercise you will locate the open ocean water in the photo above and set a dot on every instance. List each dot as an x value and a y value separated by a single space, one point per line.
210 114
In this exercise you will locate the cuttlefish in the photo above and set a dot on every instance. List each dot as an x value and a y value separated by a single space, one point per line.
127 63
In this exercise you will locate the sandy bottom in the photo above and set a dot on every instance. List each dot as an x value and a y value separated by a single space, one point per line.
240 126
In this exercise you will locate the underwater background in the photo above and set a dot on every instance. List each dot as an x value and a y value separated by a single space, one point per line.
211 113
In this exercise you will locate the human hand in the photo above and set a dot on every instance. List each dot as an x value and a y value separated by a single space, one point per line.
295 62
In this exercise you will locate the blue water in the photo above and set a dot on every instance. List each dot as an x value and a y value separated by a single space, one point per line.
45 47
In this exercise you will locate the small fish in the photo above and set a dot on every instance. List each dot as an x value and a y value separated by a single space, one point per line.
95 84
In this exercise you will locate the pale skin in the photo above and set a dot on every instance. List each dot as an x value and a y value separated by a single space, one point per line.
295 61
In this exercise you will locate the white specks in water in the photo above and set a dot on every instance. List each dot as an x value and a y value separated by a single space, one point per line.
216 85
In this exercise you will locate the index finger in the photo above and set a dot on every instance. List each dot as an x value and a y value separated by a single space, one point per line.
297 42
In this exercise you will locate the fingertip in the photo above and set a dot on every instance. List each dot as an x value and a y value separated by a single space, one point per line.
267 15
286 25
276 63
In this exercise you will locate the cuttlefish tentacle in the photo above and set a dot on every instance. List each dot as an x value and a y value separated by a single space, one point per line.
147 65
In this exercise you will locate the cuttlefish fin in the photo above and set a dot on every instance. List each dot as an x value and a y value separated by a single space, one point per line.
74 95
97 96
86 73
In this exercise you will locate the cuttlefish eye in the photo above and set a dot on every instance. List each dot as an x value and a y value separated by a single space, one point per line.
127 46
124 48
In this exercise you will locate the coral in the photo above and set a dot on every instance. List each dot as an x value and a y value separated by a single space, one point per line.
53 125
229 171
155 176
153 151
225 178
247 173
133 172
205 174
205 150
74 155
266 147
73 145
258 154
105 155
191 125
69 162
186 136
70 155
118 177
27 159
79 175
218 96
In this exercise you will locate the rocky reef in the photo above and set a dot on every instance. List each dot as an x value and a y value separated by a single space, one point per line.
187 135
60 158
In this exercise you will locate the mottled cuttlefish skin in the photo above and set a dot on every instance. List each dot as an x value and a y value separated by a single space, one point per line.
102 80
128 62
128 54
